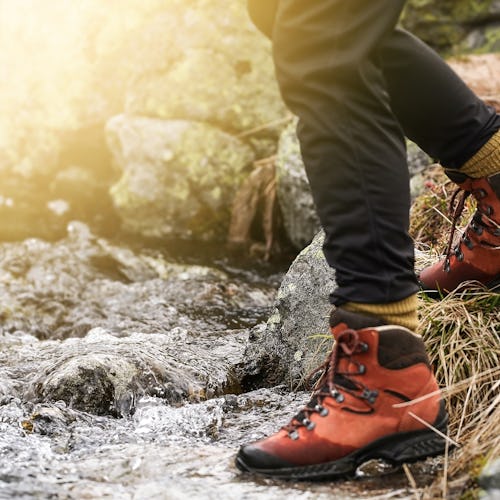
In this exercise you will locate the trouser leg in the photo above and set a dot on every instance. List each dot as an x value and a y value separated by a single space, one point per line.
434 106
352 144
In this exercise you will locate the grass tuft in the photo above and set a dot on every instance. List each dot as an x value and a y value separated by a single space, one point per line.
462 334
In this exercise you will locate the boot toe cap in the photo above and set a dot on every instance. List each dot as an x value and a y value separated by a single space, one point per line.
251 458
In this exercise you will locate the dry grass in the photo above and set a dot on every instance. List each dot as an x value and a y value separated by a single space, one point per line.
462 333
430 220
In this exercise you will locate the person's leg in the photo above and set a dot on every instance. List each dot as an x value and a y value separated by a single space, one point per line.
431 102
352 145
353 150
448 121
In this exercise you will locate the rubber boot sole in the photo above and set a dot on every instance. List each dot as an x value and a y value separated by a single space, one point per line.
403 447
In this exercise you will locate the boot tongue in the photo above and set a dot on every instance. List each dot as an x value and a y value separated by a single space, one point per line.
494 181
341 319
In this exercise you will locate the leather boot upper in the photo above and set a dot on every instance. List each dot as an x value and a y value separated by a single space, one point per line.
368 372
477 255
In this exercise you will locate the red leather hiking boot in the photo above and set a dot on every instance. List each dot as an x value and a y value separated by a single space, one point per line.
352 417
476 257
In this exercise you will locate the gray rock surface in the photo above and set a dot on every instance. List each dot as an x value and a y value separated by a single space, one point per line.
178 177
489 480
294 193
98 325
296 337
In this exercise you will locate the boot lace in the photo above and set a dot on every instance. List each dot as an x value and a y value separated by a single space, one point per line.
333 382
480 222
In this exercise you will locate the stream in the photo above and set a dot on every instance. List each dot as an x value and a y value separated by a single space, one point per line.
123 375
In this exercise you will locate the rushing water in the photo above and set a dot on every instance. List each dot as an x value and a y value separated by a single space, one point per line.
122 376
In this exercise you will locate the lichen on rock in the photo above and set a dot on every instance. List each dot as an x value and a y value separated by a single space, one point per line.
178 177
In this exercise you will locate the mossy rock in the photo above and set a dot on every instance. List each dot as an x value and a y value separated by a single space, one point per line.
215 68
178 177
447 24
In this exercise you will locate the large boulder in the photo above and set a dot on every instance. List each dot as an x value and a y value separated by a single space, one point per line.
296 337
198 60
178 177
213 67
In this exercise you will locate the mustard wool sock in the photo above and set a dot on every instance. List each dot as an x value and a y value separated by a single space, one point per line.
403 312
486 161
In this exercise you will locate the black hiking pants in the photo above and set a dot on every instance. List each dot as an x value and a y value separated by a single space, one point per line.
359 85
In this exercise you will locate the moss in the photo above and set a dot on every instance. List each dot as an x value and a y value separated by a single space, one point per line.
445 25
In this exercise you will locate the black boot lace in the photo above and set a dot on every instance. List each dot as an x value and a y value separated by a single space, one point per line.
334 383
480 222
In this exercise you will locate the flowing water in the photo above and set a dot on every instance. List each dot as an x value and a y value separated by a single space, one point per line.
123 375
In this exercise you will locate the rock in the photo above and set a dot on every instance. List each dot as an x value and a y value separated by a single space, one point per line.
178 177
294 193
489 480
198 60
296 337
65 289
454 25
213 66
102 374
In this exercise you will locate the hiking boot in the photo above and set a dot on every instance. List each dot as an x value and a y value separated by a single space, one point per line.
353 415
476 257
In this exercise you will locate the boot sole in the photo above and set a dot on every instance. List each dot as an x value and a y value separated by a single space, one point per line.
403 447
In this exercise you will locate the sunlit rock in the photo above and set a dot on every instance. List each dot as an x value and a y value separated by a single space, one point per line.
213 66
178 177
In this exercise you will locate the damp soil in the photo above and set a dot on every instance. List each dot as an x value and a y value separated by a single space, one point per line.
123 375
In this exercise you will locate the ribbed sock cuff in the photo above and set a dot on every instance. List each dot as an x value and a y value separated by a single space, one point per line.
403 312
486 161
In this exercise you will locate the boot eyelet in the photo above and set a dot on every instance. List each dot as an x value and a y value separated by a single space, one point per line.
468 243
294 435
477 229
364 347
459 254
337 396
489 210
308 424
446 267
369 395
323 412
362 369
481 193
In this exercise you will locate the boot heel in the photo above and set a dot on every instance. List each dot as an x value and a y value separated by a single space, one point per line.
418 448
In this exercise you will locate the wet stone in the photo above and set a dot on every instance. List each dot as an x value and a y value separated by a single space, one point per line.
113 325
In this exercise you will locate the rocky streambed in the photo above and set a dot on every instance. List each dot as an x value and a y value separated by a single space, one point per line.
135 374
